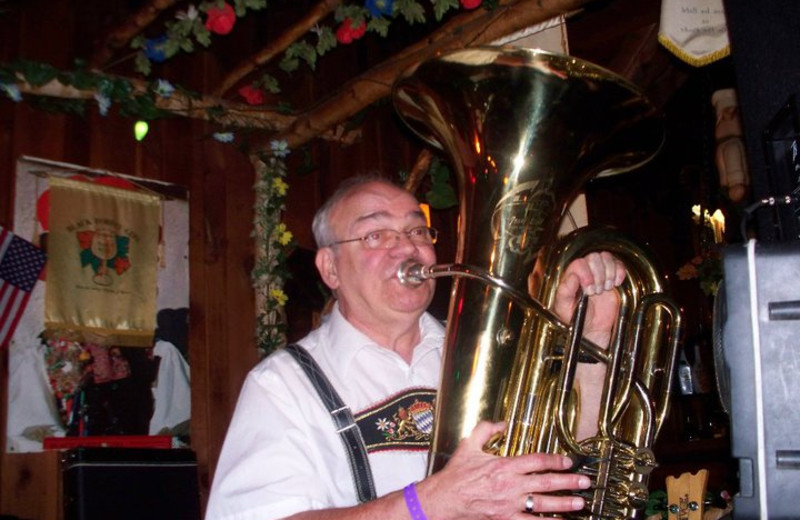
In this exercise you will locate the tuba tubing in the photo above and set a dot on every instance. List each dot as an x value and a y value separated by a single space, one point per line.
413 274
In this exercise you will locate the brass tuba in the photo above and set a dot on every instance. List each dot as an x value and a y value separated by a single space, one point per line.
525 130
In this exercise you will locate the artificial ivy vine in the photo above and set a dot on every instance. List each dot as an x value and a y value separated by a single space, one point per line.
273 242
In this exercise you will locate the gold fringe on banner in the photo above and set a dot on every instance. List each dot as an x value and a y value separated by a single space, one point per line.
102 266
694 30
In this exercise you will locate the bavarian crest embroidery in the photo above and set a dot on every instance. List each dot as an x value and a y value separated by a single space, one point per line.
404 421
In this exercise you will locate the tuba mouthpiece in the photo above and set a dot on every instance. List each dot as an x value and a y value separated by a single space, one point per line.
412 273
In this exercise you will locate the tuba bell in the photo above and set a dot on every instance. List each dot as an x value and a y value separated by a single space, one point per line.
525 129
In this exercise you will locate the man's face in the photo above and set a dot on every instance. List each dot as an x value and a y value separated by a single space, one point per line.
365 280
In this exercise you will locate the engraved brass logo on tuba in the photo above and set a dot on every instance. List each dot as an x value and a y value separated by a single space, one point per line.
525 130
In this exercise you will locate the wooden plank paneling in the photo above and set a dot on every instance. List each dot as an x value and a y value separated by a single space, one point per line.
219 178
199 245
31 487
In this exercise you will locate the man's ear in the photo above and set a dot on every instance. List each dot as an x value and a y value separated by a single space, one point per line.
326 265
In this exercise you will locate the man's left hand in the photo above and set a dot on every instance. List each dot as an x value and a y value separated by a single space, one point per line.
597 275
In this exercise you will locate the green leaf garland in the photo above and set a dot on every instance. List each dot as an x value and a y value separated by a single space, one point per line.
273 242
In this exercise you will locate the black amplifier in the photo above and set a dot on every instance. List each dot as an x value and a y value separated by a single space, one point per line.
130 483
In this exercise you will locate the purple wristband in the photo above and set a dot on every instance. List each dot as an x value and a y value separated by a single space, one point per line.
412 502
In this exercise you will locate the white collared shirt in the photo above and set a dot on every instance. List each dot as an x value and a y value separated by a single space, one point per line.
282 455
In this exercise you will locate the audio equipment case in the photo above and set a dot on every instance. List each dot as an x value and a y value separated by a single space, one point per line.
130 483
757 354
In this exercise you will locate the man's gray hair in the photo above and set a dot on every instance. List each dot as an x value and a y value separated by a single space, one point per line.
321 225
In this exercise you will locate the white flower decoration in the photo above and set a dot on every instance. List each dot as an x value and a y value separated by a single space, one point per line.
189 14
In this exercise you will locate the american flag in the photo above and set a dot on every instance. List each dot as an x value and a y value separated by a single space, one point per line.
20 265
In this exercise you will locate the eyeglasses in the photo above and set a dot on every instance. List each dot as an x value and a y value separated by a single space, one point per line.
388 238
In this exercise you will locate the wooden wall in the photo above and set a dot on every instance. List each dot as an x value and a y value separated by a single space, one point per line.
219 180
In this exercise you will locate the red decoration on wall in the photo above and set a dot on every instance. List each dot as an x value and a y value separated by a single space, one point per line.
346 33
43 204
220 20
252 95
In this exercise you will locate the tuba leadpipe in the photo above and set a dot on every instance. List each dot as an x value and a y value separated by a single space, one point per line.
525 130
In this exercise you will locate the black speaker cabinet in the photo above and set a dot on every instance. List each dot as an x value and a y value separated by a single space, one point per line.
130 483
757 348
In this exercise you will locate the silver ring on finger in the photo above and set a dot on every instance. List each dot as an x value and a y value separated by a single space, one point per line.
529 504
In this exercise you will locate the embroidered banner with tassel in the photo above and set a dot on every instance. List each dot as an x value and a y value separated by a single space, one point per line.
103 258
694 30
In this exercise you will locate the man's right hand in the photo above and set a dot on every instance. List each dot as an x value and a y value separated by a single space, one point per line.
475 484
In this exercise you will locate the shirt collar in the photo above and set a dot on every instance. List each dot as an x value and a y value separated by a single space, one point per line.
347 341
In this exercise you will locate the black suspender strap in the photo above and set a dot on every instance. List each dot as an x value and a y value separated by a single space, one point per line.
343 420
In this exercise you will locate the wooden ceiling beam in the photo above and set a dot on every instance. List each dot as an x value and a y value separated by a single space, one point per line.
325 119
278 45
179 104
478 27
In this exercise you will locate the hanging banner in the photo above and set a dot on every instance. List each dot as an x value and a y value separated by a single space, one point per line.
103 257
694 30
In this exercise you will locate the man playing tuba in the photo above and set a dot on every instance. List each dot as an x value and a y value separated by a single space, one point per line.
380 351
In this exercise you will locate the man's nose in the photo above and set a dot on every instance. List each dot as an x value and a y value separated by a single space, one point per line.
403 242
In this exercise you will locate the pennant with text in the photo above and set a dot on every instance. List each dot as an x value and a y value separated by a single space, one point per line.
694 30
